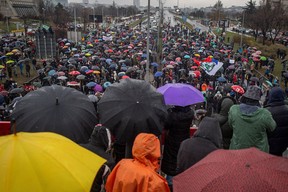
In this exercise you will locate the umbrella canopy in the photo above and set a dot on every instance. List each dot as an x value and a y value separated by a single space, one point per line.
221 79
243 170
56 109
91 84
17 90
180 94
45 162
132 107
238 89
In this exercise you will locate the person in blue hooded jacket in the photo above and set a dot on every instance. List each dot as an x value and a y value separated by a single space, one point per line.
278 139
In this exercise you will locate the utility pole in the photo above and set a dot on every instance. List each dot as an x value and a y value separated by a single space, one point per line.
241 40
75 28
147 74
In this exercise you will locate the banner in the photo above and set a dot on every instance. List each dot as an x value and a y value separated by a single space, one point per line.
107 38
211 68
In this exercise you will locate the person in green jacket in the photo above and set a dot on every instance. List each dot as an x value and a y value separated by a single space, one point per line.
250 122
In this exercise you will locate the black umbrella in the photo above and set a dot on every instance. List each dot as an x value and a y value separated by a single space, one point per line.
132 107
57 109
17 90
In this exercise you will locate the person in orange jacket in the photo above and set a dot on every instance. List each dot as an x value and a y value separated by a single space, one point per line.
140 173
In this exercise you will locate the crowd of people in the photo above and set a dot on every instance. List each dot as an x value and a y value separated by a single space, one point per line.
240 110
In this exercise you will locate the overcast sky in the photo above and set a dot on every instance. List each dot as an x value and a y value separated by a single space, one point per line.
171 3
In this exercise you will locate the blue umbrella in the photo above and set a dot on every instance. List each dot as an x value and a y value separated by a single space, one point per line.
221 79
106 84
158 74
113 66
108 61
91 84
186 57
144 55
154 64
51 72
124 68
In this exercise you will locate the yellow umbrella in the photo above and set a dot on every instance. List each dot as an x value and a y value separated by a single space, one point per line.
10 61
197 55
45 162
9 54
14 50
87 54
2 67
96 72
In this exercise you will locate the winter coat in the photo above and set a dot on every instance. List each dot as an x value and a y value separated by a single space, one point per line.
100 144
222 116
205 140
250 124
139 174
178 129
278 139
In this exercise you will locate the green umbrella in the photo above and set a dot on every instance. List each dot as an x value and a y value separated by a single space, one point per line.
262 58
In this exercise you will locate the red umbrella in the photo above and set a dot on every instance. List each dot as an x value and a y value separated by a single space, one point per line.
235 170
194 67
89 72
74 73
197 73
238 89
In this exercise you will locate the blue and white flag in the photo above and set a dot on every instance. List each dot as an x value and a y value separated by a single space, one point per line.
211 68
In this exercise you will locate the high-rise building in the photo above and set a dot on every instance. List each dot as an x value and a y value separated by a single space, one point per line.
136 3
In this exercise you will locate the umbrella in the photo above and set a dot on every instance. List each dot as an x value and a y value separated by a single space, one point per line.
45 162
158 74
17 90
237 170
132 107
154 64
262 58
238 89
98 88
56 109
80 77
62 77
74 73
2 67
106 84
186 57
10 62
91 84
180 94
51 72
221 79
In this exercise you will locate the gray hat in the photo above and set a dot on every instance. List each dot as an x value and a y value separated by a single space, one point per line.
253 92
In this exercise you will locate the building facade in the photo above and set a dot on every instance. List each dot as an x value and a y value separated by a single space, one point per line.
18 8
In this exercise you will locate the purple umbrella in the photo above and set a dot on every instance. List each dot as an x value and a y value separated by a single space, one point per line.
180 94
98 88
